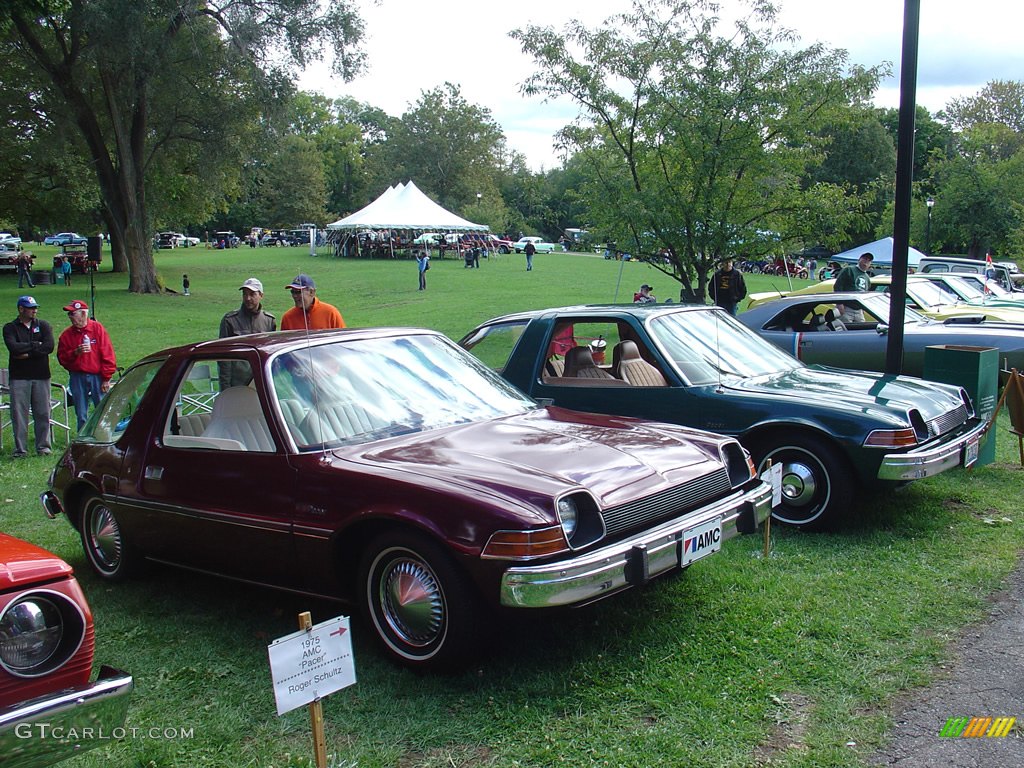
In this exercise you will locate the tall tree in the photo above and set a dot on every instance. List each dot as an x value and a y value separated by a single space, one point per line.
698 141
159 89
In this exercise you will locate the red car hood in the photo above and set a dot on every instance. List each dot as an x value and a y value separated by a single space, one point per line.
550 450
22 563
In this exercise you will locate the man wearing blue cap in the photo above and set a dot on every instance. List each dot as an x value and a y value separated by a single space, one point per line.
30 343
309 312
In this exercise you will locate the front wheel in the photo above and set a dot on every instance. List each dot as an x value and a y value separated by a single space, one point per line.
103 539
417 601
816 480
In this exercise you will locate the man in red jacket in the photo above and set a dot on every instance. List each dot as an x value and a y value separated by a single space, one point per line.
84 348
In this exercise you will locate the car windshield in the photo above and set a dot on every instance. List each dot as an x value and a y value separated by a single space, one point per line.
706 345
965 289
353 392
929 294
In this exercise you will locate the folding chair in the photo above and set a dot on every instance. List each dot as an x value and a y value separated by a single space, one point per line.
201 391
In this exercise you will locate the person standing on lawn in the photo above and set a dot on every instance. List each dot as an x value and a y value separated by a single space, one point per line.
422 265
65 269
30 343
248 318
84 349
529 250
309 312
727 287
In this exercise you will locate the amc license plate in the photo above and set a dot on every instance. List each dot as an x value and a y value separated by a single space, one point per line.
701 541
971 452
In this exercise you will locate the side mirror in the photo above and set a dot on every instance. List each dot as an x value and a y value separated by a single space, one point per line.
882 329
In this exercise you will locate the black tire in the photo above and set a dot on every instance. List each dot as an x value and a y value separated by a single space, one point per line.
503 249
417 601
817 485
108 552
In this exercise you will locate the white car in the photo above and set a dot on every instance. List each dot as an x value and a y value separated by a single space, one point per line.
6 238
538 242
184 241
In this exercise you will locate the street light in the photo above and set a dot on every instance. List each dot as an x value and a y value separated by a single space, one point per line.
930 202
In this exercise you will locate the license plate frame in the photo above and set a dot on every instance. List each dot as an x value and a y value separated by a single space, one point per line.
971 451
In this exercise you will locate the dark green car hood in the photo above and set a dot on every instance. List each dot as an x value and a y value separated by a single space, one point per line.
863 394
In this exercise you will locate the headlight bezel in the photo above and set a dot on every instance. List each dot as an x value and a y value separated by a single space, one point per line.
59 613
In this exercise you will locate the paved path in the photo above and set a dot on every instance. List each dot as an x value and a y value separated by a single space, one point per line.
987 680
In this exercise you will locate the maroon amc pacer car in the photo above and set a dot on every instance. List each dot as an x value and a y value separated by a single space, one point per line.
48 708
389 467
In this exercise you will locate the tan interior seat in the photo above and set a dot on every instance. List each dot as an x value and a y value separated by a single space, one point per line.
341 421
633 369
579 363
237 415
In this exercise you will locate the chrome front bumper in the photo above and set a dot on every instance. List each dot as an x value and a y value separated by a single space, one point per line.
630 562
51 728
926 462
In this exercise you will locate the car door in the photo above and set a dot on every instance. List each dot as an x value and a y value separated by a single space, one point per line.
212 500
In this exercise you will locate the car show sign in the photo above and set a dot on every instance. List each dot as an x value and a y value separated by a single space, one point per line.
311 663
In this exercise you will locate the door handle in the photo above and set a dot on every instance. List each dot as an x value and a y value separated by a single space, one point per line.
153 473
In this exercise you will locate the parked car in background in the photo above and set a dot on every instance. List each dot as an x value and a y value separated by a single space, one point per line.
49 710
923 295
185 241
834 432
538 242
799 325
79 258
9 253
499 244
974 290
65 238
989 287
165 240
6 238
396 471
225 239
1009 281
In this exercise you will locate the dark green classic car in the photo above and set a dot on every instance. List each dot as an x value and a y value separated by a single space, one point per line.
836 432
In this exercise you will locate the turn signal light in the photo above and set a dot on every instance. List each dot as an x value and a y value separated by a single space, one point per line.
525 545
892 438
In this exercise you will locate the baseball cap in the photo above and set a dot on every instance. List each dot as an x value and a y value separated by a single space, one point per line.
252 284
301 281
27 301
867 255
76 305
646 287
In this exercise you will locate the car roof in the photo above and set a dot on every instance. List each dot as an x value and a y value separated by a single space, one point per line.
637 310
278 341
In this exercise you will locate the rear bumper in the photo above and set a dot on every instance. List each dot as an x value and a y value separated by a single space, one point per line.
926 462
630 562
51 728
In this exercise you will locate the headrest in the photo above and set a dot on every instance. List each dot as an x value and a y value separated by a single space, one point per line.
577 358
236 402
626 350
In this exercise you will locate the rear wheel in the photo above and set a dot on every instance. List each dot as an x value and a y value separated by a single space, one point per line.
103 539
816 480
418 602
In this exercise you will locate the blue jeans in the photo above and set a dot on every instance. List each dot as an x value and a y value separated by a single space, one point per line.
85 388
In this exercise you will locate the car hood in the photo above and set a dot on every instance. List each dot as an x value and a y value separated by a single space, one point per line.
548 451
863 393
22 563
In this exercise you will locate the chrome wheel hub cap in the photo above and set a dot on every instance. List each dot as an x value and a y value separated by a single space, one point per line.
412 602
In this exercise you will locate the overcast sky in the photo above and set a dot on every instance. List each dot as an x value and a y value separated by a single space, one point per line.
415 46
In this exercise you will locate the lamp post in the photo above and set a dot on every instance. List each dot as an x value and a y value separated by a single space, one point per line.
930 202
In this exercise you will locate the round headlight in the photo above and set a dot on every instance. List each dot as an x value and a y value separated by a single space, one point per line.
568 516
30 633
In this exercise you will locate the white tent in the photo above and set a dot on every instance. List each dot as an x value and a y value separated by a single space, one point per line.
405 207
881 250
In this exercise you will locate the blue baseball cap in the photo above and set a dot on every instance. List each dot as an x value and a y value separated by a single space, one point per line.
27 301
300 282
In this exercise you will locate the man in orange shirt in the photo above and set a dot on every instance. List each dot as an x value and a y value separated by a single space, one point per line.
309 312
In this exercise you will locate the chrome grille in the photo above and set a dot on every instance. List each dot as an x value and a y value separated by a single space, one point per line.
665 504
947 421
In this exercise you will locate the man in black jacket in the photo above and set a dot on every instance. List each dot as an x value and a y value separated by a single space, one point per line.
248 318
727 287
30 344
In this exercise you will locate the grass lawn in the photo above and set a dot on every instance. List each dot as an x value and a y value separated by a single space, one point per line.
741 660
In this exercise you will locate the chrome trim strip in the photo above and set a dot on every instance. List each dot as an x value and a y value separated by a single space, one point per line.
600 573
926 462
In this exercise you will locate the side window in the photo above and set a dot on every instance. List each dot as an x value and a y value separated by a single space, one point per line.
207 415
493 345
115 411
582 352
